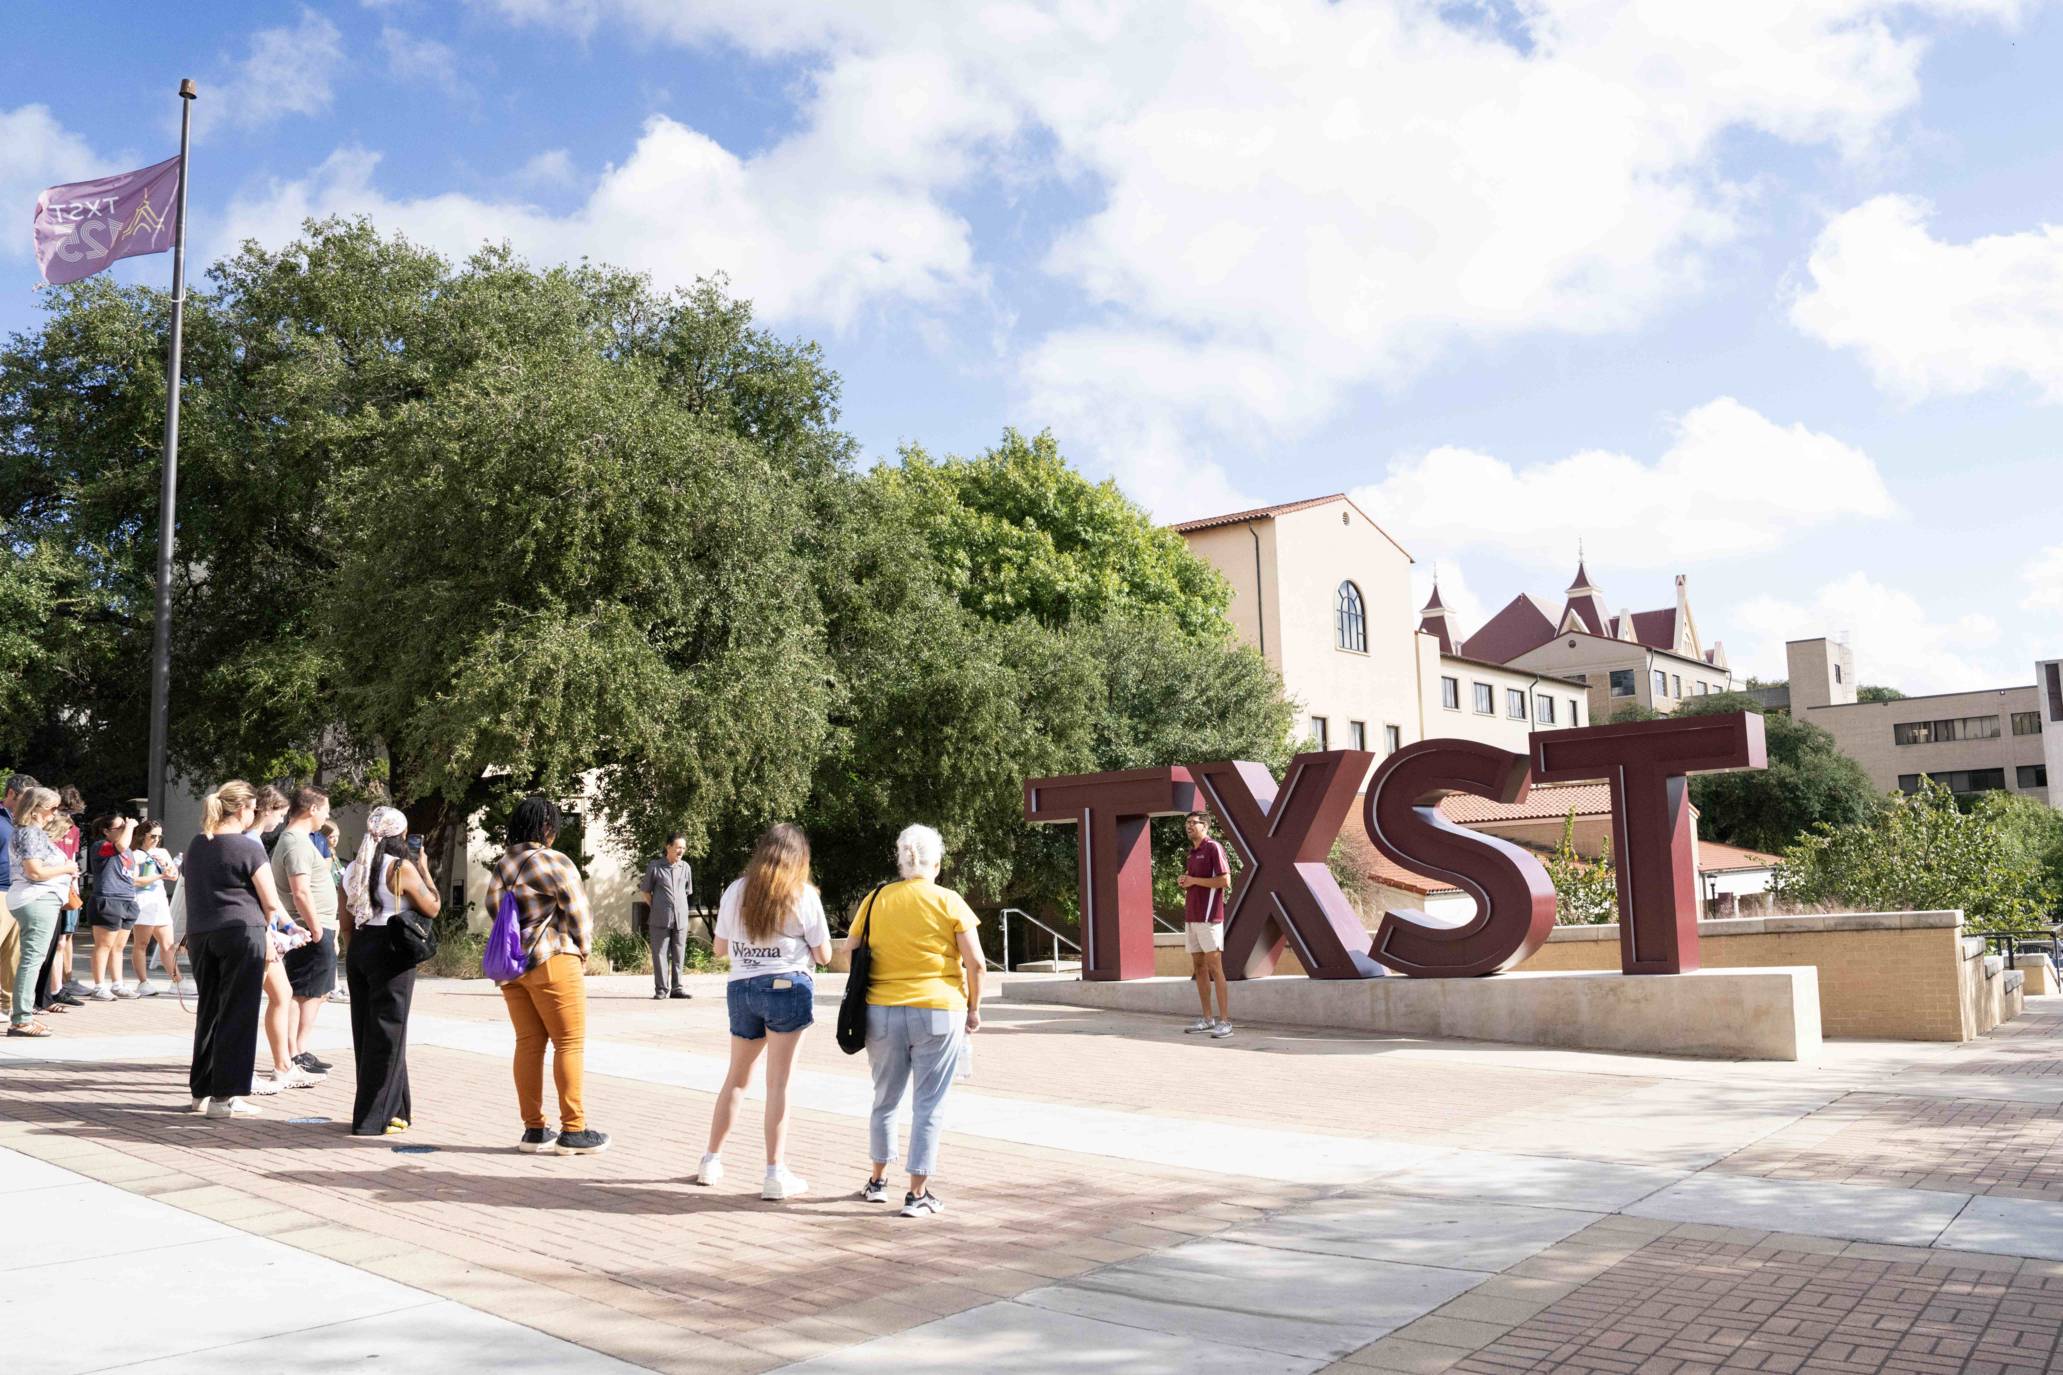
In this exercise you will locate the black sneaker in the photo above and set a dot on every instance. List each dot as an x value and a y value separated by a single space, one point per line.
306 1060
874 1191
537 1140
927 1206
69 1000
681 993
587 1142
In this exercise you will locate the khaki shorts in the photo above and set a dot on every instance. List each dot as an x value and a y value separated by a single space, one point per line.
1204 937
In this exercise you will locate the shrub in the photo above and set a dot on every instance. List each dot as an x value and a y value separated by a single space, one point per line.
1585 894
625 952
458 956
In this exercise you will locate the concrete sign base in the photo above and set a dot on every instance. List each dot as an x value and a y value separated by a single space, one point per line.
1726 1014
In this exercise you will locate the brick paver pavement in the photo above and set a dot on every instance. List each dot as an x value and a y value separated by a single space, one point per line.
1687 1303
620 1253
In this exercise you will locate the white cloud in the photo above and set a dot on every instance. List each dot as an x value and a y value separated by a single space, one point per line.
795 234
1731 482
552 167
2044 581
38 152
411 57
1289 200
286 71
1896 641
1931 317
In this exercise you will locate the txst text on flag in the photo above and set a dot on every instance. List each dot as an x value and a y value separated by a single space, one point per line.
84 226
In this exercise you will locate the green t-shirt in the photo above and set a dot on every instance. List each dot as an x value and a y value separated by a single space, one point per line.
293 853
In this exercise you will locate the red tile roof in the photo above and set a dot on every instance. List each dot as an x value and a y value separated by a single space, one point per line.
1714 858
1381 869
1523 624
1547 802
1656 629
1258 513
1590 610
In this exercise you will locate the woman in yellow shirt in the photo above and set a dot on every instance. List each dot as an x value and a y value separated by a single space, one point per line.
923 1001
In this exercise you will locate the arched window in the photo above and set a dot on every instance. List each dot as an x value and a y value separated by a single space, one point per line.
1350 627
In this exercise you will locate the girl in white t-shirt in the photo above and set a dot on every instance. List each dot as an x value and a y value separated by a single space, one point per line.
771 925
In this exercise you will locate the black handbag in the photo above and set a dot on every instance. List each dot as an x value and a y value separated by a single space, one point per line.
852 1009
414 932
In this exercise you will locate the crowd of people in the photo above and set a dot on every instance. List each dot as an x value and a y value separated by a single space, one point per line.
262 924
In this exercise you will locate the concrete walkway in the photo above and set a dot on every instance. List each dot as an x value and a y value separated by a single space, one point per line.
1120 1196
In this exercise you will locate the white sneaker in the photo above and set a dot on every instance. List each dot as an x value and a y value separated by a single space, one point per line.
711 1171
1221 1031
127 991
296 1078
200 1105
781 1182
102 994
265 1085
234 1107
146 989
1197 1027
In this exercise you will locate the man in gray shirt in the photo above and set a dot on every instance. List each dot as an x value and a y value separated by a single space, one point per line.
667 883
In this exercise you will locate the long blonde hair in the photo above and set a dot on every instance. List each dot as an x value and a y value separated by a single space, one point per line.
774 881
226 801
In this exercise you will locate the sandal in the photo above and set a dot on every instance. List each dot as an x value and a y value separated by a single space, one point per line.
29 1029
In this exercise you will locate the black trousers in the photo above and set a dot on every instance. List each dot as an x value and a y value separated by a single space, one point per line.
229 973
44 997
669 949
381 977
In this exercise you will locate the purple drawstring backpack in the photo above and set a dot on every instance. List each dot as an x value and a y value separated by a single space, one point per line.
504 960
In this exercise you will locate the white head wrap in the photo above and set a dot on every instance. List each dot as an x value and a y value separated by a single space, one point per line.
383 823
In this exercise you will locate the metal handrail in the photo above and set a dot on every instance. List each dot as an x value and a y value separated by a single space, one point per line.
1058 939
2047 940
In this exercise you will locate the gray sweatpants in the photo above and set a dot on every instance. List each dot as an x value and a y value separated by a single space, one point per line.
669 948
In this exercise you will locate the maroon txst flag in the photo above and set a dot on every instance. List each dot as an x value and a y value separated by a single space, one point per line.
82 227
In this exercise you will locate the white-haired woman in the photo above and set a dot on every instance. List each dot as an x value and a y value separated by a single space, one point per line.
386 878
42 877
923 1001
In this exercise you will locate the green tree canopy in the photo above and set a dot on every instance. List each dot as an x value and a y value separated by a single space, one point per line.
1808 781
1922 852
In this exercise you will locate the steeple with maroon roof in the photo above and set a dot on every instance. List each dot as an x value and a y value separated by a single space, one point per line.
1436 620
1585 608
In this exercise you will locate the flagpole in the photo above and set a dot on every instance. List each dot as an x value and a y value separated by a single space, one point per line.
161 647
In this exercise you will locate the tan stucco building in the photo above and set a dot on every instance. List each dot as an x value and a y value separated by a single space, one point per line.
1325 594
1993 739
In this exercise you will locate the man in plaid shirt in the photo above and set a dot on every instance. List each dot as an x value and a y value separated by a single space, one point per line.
549 1002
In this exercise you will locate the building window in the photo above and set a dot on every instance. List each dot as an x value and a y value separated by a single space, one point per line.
1392 739
1622 682
1661 683
1350 627
1837 673
1574 719
2027 723
1958 780
1938 732
1515 703
1677 678
1318 733
1543 709
1357 735
1450 693
1486 702
2033 775
1704 689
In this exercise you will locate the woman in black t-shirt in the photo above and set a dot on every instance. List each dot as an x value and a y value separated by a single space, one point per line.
230 900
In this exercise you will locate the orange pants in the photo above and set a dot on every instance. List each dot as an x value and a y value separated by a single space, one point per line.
550 1004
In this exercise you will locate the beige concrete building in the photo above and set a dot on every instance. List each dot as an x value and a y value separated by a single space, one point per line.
1325 594
1993 739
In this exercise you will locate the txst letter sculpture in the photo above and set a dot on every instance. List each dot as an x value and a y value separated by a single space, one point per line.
1286 892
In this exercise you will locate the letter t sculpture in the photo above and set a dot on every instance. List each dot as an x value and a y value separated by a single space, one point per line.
1116 857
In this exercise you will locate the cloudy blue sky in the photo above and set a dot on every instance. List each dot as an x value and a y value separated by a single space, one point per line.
1764 292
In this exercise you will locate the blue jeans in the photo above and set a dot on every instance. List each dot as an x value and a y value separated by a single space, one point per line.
757 1007
905 1043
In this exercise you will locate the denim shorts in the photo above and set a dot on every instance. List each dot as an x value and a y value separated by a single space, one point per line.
757 1007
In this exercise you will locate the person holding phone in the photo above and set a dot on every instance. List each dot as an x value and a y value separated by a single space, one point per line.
157 873
771 926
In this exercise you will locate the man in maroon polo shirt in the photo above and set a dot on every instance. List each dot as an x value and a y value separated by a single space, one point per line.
1204 882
